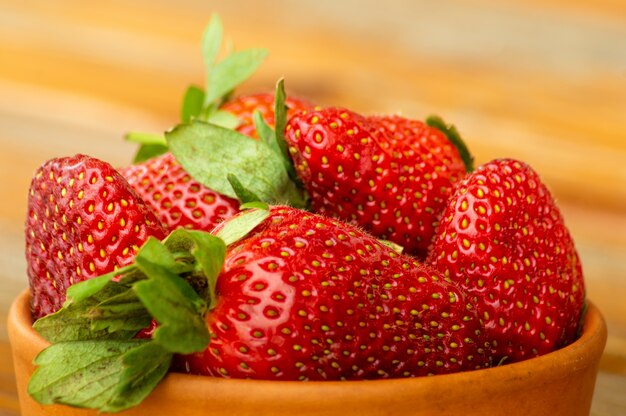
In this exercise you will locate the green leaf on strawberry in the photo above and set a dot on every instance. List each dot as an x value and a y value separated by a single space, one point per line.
121 312
143 368
223 119
455 138
171 301
275 137
208 252
212 41
210 153
280 117
145 138
91 287
193 109
151 145
244 195
193 101
232 71
95 316
107 375
266 133
221 78
239 226
149 151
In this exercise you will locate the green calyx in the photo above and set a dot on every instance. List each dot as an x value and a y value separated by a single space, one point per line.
455 138
95 361
222 76
234 165
208 147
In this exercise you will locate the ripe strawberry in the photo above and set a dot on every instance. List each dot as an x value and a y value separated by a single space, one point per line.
390 175
502 237
304 297
84 220
178 199
243 107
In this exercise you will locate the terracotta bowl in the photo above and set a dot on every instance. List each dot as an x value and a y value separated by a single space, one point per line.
559 383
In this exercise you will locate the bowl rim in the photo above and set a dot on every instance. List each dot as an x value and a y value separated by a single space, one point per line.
551 366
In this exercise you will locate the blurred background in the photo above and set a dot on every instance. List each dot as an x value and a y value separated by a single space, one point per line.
542 81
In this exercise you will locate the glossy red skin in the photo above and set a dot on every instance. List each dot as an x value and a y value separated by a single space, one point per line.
83 220
244 107
307 298
178 199
503 238
389 175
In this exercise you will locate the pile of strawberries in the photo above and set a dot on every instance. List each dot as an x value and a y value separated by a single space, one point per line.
398 259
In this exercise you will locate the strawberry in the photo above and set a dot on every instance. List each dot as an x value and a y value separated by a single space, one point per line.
390 175
179 200
83 220
243 107
304 297
502 237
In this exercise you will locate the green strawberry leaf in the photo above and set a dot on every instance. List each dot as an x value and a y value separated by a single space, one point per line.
212 43
232 71
208 252
149 151
151 145
275 138
121 312
178 242
266 133
113 312
145 138
171 301
223 119
280 118
106 375
244 195
280 111
221 78
254 204
144 367
237 227
192 104
455 138
89 288
210 153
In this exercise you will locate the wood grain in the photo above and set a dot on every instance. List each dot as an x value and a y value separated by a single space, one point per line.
543 81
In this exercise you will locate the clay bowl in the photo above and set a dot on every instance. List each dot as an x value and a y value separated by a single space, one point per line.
559 383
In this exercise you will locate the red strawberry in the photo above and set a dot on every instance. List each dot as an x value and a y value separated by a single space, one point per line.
304 297
390 175
178 199
243 108
502 237
84 220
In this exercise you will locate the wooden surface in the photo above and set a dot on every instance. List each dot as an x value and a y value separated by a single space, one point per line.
544 81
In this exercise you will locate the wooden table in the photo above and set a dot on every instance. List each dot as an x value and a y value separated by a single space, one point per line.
544 81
